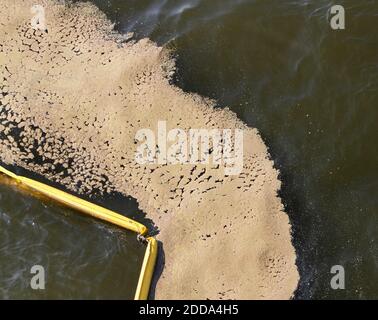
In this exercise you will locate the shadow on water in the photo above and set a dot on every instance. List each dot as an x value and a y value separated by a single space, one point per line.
160 264
293 207
127 206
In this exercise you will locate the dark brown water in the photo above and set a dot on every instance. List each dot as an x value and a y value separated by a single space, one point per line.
82 258
310 90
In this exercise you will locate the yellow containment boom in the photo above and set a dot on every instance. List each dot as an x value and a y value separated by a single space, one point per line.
99 212
147 272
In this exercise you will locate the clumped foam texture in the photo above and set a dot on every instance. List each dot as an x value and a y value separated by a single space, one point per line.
71 102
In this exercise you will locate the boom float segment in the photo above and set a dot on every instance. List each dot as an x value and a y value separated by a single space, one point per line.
147 271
